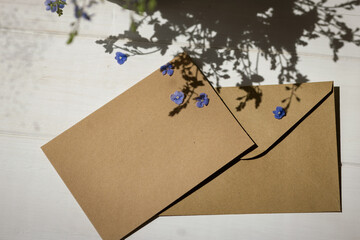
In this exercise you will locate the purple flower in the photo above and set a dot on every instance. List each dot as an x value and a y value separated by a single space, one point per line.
86 16
48 7
167 69
120 57
55 6
177 97
62 5
202 100
79 12
279 112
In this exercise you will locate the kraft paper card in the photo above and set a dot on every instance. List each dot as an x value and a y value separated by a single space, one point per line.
295 166
140 152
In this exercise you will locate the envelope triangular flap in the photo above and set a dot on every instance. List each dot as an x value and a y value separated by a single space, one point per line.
253 106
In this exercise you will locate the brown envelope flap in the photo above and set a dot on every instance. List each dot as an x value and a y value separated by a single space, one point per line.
137 154
253 106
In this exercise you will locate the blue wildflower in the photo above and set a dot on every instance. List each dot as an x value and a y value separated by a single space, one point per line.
177 97
48 7
55 6
202 100
79 12
167 69
279 112
86 16
120 57
62 5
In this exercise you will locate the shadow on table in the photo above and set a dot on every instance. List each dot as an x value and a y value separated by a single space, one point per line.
219 34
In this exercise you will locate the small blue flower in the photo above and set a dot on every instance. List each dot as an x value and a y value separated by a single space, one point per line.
120 57
48 7
79 12
62 5
177 97
279 112
202 100
167 69
53 8
86 16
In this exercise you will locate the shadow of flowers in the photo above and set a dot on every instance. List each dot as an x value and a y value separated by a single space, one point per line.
239 33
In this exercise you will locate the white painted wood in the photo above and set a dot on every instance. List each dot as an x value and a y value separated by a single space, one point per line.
46 87
34 202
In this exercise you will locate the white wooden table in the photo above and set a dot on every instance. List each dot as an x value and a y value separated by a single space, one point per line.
46 87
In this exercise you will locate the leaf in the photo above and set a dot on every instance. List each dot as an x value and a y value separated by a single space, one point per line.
71 37
140 7
133 26
151 5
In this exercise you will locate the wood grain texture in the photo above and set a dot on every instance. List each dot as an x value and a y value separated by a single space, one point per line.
46 87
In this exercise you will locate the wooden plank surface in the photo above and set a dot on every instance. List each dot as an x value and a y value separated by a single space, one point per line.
46 87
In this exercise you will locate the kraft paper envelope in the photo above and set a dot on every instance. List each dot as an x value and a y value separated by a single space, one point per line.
295 166
134 156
